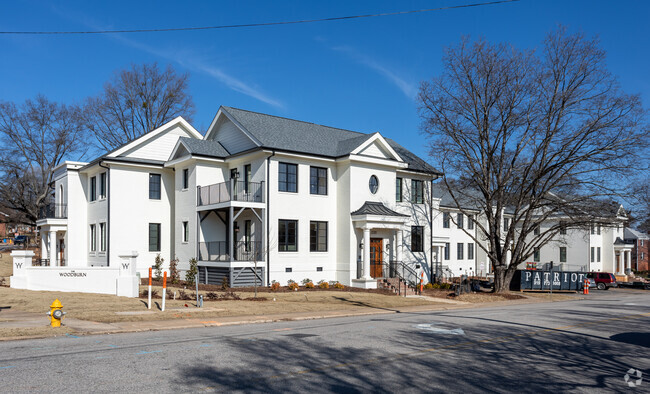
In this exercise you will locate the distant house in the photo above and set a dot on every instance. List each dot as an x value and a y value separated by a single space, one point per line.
641 250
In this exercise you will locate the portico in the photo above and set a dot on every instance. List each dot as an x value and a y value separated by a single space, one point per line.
374 223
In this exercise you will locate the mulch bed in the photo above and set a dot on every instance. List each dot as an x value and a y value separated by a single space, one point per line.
260 289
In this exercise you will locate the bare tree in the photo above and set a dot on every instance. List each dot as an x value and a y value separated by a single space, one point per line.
137 101
36 137
539 135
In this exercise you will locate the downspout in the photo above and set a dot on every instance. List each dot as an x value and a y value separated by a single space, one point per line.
108 214
431 231
268 218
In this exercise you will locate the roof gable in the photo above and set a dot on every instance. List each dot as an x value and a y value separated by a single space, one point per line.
377 146
230 133
157 144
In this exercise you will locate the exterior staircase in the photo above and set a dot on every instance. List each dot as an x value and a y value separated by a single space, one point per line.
396 285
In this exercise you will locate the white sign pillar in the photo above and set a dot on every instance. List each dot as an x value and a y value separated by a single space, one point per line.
22 259
127 281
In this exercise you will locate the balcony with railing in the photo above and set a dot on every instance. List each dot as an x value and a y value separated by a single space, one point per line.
242 251
231 190
54 211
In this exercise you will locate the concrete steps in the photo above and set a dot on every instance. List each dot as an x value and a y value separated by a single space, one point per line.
395 285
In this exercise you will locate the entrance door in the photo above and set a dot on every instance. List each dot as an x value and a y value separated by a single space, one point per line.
376 251
61 253
618 263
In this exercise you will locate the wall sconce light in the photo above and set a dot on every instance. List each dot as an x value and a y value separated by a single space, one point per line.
361 245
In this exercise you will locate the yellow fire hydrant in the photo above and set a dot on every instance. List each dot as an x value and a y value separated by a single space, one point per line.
56 314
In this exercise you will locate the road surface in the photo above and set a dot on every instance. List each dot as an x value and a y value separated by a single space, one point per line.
583 345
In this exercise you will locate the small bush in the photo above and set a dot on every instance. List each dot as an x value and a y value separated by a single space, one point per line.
2 281
211 296
309 285
157 266
275 286
224 283
145 293
338 285
305 281
323 285
230 295
428 286
293 285
174 276
191 273
183 295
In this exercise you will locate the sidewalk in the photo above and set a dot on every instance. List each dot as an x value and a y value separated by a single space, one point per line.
28 320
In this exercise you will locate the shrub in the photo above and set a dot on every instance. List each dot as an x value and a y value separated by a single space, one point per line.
323 285
338 285
191 273
145 293
174 276
157 266
230 295
211 296
224 283
275 286
309 285
183 295
305 281
428 286
293 285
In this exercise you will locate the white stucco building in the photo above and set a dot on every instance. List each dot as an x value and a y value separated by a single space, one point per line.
294 199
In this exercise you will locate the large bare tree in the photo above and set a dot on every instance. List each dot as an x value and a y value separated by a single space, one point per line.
136 101
538 135
35 137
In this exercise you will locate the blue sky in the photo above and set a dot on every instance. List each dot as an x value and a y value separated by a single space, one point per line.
360 74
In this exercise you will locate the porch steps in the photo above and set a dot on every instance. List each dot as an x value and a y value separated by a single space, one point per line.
395 285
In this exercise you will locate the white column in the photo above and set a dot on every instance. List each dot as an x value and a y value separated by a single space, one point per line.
231 231
54 259
398 246
366 254
628 261
43 244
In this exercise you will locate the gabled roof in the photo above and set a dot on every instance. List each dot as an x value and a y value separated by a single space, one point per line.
630 233
204 148
375 208
274 132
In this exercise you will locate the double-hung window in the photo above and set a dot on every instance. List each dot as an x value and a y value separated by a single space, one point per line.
447 247
506 224
288 177
154 186
470 251
93 188
470 222
154 237
186 232
598 254
398 189
102 185
93 238
417 238
287 235
102 237
317 236
459 251
186 178
417 191
562 254
318 180
593 254
536 255
445 219
459 220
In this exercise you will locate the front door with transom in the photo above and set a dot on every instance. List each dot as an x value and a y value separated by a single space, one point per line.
376 249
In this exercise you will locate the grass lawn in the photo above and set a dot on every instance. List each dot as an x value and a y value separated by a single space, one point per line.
103 308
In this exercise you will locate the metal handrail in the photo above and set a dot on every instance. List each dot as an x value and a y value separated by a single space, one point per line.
54 211
230 191
219 251
400 270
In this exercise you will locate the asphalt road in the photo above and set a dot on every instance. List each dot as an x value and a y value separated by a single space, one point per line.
578 346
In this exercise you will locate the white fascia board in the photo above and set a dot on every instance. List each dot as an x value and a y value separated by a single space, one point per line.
70 165
377 137
306 157
126 164
406 171
138 141
374 160
188 158
223 112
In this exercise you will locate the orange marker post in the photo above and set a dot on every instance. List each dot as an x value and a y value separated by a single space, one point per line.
164 294
149 304
421 281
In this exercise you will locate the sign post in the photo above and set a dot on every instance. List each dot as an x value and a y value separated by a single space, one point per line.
551 267
149 304
164 294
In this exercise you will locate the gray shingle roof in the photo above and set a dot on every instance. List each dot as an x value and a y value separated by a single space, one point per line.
204 147
293 135
375 208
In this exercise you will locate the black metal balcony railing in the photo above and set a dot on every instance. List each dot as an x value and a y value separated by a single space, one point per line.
218 251
230 191
54 211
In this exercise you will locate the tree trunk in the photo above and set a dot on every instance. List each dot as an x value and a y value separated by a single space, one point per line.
502 278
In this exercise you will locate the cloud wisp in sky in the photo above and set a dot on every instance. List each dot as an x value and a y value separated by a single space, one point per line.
409 89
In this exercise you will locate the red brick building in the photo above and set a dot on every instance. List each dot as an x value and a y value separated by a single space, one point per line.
641 251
